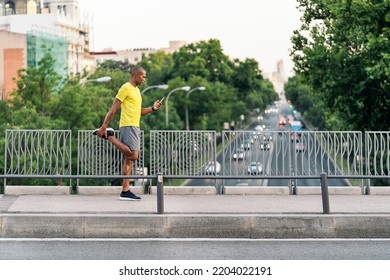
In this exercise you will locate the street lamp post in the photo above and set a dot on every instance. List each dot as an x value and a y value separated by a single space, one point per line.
186 88
188 93
98 80
156 86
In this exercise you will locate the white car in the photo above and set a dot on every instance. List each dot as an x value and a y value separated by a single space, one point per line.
213 167
255 168
239 154
246 145
264 146
299 146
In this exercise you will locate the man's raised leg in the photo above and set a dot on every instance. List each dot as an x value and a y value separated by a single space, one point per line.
123 148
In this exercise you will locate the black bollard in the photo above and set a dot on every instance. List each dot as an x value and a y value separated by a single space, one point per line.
160 194
325 193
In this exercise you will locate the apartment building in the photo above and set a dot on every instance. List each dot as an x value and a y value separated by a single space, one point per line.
27 25
133 56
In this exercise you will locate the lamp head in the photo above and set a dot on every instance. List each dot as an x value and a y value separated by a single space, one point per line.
163 86
103 79
186 88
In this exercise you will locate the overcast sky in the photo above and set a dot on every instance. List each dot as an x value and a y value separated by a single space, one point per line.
259 29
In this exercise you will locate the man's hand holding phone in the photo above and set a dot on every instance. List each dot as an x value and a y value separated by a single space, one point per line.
157 104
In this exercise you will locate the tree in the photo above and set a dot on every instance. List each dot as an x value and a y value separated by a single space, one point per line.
35 99
36 85
203 59
232 86
306 102
342 51
159 67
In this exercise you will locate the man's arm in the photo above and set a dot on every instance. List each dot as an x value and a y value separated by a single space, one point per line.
110 114
156 106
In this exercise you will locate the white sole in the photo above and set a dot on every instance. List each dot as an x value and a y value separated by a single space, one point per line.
129 199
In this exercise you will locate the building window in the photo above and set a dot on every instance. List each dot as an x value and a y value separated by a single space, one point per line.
61 10
9 8
31 7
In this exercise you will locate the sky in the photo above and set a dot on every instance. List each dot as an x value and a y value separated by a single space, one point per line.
259 29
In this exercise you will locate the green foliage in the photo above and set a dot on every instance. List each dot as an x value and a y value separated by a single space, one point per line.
306 102
35 88
108 65
204 59
228 84
342 51
5 113
159 67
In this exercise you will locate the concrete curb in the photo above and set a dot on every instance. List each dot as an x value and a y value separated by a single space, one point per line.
194 226
256 190
107 190
379 190
177 190
37 190
331 190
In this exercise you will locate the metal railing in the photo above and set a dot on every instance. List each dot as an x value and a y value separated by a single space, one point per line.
194 154
98 157
181 153
37 152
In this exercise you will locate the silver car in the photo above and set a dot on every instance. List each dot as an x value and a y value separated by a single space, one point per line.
213 168
255 168
239 154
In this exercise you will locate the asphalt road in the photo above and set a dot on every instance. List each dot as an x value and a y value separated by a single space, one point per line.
194 249
276 161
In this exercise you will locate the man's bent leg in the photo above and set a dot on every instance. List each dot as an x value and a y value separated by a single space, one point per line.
123 148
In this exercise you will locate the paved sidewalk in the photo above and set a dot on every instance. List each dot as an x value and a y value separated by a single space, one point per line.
196 204
194 216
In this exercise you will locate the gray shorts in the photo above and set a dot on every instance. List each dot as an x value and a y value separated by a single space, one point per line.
131 136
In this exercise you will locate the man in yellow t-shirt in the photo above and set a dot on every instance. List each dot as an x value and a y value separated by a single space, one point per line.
129 99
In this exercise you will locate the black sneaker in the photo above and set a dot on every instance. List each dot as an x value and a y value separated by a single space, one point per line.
128 196
110 132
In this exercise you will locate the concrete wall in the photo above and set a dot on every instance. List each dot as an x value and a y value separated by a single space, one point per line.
13 56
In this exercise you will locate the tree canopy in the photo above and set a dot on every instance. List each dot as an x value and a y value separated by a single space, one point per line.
342 51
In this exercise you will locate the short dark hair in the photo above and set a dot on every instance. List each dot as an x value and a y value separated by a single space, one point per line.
137 69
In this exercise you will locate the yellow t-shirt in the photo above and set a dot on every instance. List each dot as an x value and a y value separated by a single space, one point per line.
131 99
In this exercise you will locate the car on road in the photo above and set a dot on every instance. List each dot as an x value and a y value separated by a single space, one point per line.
267 135
213 167
258 127
246 145
299 146
264 145
239 154
255 168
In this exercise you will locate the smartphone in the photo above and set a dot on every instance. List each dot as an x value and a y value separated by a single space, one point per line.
162 99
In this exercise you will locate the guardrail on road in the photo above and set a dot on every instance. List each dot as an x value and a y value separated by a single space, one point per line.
193 154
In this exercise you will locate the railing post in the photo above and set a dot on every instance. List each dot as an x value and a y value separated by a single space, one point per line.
325 193
160 194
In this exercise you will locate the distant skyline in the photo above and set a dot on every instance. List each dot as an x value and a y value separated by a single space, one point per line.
256 29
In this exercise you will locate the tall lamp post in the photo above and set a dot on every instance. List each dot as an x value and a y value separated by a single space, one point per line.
186 88
98 80
188 93
156 86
